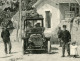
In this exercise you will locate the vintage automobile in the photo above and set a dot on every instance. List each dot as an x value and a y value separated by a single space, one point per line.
34 39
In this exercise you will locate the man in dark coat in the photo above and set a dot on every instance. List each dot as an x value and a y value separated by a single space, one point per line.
66 38
59 35
6 39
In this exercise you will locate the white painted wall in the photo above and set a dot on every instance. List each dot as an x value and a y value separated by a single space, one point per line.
54 9
63 7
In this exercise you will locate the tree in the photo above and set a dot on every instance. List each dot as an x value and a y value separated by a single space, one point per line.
28 4
7 14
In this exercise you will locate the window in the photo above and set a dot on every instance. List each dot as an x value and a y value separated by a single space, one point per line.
69 14
74 7
48 19
72 12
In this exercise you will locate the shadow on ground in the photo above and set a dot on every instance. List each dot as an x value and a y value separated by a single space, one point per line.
54 48
75 57
14 52
6 56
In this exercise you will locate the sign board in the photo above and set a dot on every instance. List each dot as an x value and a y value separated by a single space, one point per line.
69 15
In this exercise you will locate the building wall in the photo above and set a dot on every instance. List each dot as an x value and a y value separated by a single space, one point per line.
58 14
54 10
63 7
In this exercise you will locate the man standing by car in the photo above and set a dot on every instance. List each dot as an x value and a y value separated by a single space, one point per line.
6 39
66 38
59 36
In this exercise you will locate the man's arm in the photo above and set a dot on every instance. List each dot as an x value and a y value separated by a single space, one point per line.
8 32
2 34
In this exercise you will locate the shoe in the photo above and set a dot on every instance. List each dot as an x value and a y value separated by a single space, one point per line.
68 56
60 46
10 52
63 56
75 56
6 52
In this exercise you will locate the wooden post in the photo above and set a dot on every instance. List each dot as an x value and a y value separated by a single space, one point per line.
17 39
20 18
79 10
49 47
70 22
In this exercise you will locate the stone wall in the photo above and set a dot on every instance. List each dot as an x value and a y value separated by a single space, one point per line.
75 32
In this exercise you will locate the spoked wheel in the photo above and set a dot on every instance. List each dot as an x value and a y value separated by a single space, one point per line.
24 46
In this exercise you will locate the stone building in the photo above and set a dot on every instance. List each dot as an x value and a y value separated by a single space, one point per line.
57 12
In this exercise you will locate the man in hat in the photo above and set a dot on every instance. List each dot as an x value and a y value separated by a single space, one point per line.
6 39
38 25
59 35
66 38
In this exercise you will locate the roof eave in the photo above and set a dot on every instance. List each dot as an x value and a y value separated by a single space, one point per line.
37 3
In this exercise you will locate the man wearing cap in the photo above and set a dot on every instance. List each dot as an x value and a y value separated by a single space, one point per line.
6 39
59 35
66 38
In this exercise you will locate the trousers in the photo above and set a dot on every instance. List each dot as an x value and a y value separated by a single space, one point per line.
59 39
65 46
5 46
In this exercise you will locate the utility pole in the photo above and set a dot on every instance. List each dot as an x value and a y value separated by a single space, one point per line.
20 19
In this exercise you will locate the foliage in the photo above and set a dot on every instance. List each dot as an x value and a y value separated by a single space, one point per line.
7 14
28 4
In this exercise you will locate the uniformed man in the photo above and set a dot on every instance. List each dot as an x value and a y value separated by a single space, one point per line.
59 35
6 39
66 38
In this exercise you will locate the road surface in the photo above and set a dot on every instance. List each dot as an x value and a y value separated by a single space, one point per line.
18 56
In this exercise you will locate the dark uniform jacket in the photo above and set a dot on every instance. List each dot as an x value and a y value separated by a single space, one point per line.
66 36
59 33
5 35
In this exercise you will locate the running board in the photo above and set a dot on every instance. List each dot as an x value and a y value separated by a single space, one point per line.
35 49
